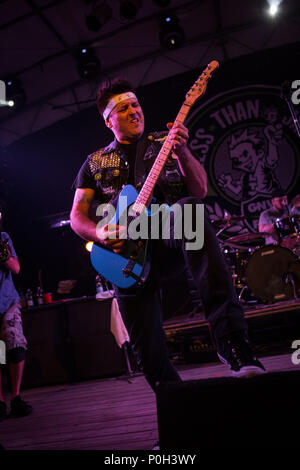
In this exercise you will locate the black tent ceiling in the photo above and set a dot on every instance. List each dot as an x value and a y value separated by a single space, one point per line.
38 39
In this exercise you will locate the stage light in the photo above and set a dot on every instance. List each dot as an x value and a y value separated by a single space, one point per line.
15 93
89 246
171 34
274 7
273 10
129 8
98 17
7 103
88 64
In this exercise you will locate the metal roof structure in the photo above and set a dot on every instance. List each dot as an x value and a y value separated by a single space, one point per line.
40 39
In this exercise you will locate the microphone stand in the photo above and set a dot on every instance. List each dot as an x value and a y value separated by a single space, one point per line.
285 94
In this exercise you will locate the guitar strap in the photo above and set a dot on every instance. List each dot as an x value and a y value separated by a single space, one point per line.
140 169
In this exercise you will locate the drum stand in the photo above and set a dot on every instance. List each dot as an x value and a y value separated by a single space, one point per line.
241 293
289 278
252 300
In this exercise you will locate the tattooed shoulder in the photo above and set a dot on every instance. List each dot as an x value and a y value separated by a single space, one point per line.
82 197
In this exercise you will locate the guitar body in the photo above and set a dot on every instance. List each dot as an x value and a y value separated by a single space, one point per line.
110 264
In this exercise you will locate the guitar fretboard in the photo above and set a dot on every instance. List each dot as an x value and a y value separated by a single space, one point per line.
143 199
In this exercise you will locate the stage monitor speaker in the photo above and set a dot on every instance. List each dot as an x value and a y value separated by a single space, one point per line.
260 412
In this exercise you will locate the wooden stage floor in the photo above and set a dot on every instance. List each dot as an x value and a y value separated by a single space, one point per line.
104 414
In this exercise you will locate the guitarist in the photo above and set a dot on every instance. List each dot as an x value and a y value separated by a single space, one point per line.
127 160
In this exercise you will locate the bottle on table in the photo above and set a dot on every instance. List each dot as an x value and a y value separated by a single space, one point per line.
29 298
39 296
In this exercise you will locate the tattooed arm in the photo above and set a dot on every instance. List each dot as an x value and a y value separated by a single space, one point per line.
87 229
193 172
80 221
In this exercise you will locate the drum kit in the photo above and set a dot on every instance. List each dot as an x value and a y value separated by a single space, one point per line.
260 272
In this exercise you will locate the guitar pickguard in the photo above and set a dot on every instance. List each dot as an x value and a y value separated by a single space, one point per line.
113 265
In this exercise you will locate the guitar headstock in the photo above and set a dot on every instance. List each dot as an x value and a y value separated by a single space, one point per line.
199 87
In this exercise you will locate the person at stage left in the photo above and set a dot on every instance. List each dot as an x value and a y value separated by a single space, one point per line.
11 331
279 210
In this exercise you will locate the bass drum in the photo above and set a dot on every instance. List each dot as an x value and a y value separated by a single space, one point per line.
270 272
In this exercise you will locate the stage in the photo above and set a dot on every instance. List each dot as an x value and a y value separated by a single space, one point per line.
272 329
235 143
107 414
102 405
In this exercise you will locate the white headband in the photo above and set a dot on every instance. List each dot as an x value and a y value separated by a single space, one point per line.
116 100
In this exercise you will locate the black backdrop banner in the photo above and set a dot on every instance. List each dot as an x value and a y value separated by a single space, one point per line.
241 130
248 143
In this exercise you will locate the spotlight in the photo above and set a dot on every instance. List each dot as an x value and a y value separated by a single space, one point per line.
273 10
98 17
15 94
3 101
274 7
171 35
88 64
129 8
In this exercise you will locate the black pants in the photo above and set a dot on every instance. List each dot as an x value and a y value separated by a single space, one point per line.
141 307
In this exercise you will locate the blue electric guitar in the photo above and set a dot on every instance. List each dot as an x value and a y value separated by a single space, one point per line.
131 267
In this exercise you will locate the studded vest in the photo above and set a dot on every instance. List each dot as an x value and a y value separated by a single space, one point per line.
110 170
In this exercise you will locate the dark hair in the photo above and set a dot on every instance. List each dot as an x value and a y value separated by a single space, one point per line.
110 88
278 192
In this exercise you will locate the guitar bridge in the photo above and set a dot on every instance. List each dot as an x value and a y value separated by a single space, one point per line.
127 271
135 249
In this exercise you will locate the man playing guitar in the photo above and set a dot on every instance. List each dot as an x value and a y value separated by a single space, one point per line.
128 159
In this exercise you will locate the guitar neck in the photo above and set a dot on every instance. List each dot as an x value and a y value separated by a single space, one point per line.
144 199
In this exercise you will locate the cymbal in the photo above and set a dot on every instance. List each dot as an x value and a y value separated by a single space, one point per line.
248 237
229 220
